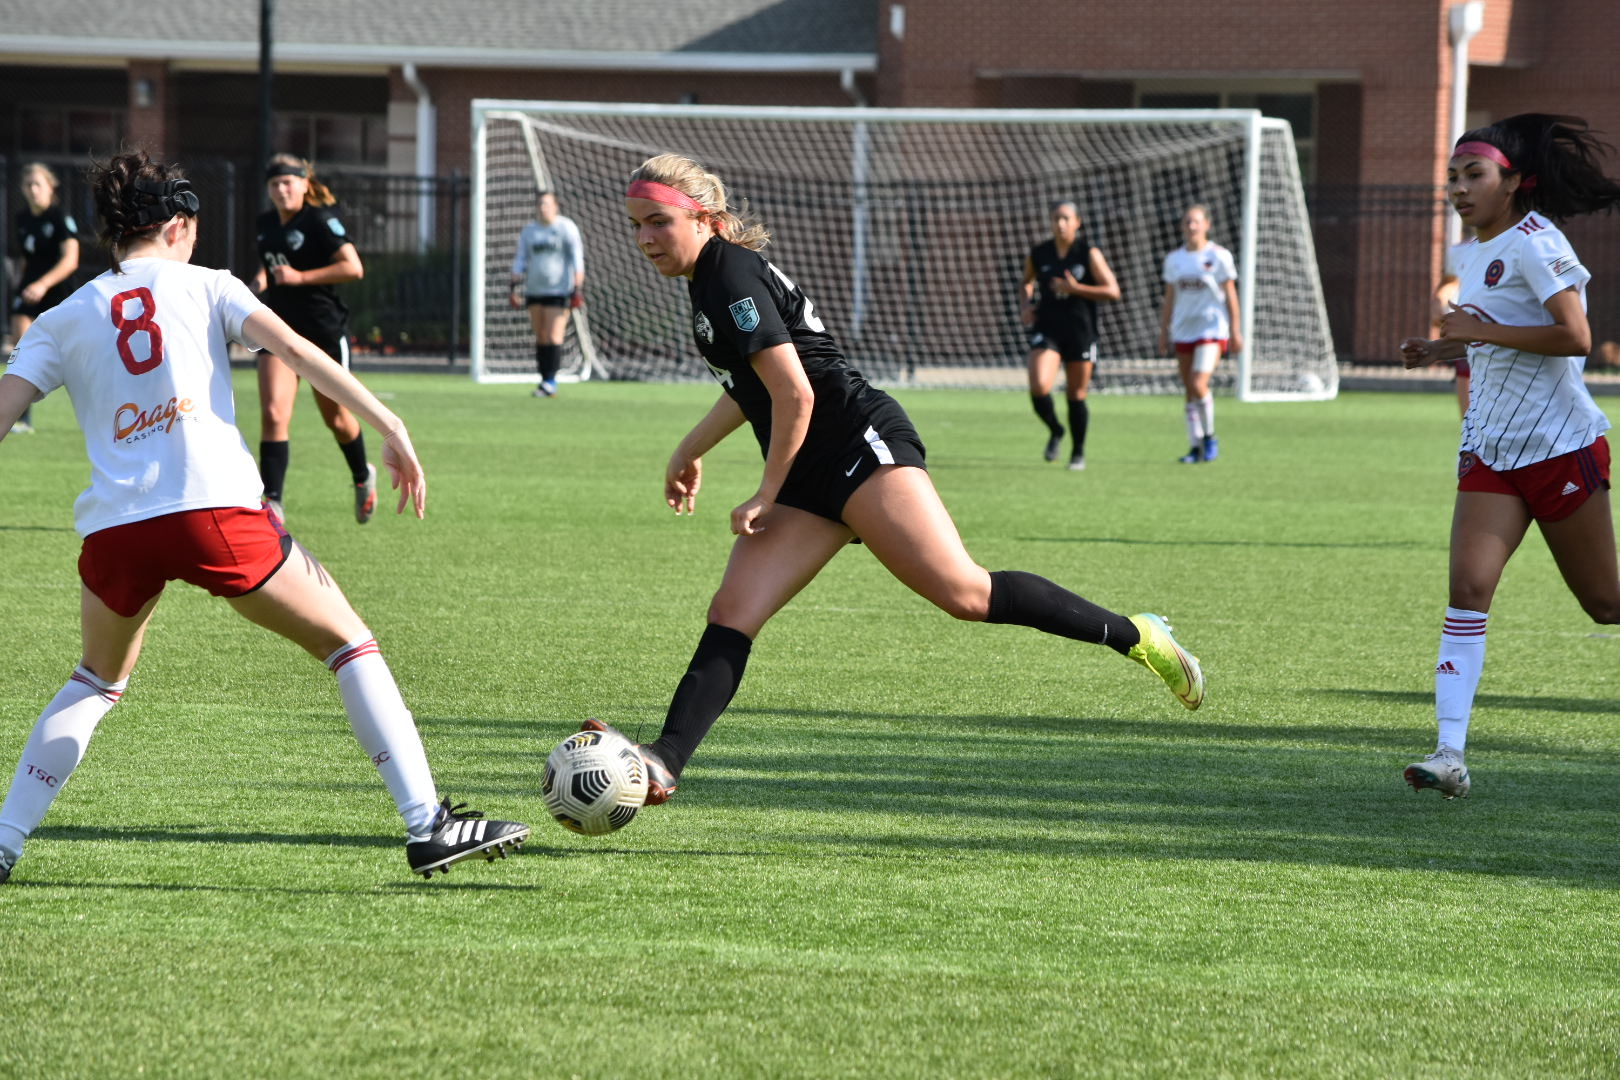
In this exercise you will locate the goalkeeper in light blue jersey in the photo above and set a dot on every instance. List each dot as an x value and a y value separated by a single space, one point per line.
547 275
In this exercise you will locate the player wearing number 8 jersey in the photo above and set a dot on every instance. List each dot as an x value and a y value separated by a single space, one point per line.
1533 447
842 462
174 494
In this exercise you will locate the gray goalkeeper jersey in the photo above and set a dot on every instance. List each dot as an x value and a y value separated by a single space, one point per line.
548 257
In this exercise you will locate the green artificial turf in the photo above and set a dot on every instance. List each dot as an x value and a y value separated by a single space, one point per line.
913 847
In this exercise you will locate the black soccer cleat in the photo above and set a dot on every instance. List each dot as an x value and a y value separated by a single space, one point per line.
459 833
1054 443
661 782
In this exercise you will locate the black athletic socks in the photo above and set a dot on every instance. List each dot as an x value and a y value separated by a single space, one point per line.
1079 419
1030 600
1048 414
273 468
710 682
548 358
355 454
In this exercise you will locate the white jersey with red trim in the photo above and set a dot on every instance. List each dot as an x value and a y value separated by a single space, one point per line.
1199 279
1523 407
143 355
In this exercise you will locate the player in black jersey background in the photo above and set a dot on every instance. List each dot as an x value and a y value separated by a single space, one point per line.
304 249
46 238
842 462
1064 279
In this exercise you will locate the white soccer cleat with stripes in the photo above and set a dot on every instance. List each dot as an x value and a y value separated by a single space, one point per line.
459 833
1442 770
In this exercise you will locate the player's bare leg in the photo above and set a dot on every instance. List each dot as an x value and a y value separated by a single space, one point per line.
1582 545
765 571
900 518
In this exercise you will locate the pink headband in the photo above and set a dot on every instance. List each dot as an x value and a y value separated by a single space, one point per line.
1491 153
663 193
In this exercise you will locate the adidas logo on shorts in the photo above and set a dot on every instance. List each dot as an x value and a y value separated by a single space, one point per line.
1570 488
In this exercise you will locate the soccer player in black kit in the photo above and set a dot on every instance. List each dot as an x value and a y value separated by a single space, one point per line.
842 462
305 250
1064 279
47 238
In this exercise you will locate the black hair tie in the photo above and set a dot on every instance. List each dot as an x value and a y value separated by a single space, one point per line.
158 201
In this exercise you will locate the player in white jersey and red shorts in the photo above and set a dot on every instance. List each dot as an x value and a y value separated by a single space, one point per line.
1533 447
175 495
1200 318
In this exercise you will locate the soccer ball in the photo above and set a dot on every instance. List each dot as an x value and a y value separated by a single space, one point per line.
595 782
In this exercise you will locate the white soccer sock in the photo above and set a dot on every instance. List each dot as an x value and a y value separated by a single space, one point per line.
386 730
53 750
1456 674
1195 423
1206 409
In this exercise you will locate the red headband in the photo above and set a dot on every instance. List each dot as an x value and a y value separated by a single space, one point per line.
1491 153
663 193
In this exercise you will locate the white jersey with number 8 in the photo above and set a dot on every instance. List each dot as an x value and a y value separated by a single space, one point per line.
143 354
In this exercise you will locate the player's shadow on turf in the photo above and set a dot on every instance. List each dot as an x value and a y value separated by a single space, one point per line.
1425 698
35 528
203 834
1380 545
968 727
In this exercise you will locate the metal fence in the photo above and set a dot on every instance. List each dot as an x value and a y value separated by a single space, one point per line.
411 233
1375 247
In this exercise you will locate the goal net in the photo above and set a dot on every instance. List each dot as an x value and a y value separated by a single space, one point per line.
908 228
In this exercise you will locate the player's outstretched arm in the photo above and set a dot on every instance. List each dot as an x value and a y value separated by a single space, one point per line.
265 329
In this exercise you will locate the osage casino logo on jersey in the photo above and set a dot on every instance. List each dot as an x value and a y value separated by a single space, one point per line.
131 423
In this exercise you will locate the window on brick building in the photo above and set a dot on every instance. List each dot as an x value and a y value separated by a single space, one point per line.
334 139
46 129
1298 107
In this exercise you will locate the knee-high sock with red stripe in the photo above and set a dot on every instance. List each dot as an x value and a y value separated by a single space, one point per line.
386 730
1456 674
53 750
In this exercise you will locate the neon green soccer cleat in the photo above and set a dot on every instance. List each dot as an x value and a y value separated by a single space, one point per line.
1159 653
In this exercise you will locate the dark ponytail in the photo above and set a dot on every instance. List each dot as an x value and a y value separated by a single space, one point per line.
1559 159
135 196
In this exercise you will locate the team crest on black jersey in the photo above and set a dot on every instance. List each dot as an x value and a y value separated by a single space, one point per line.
745 314
47 229
336 226
703 328
295 239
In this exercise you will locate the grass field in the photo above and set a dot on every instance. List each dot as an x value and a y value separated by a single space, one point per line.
913 847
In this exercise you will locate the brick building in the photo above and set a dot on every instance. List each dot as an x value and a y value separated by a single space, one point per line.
384 85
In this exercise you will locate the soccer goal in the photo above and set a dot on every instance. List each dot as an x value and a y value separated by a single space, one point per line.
909 229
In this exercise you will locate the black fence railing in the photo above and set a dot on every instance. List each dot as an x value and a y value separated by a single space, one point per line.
411 233
1374 246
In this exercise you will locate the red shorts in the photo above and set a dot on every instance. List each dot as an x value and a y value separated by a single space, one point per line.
1185 348
229 551
1553 489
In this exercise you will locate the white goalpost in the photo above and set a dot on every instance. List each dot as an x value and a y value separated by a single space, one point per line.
909 228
